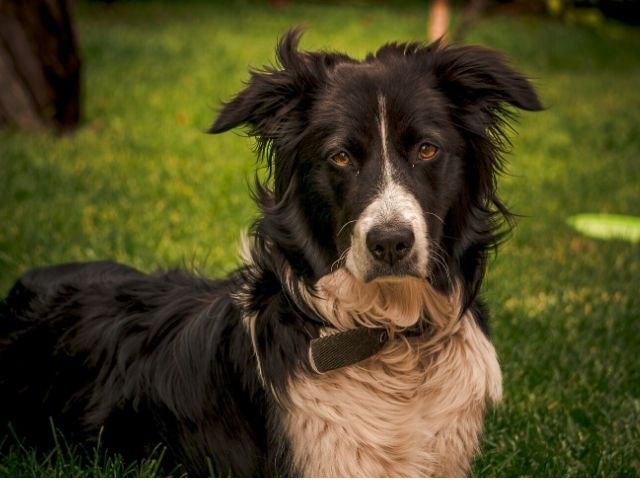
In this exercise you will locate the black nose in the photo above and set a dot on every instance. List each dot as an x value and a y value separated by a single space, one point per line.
390 245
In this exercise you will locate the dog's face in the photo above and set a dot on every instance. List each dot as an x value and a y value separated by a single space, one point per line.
384 166
387 163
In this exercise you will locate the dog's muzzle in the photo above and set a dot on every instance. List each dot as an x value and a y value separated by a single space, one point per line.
390 238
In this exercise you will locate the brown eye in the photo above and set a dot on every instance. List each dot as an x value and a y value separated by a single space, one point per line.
427 151
342 159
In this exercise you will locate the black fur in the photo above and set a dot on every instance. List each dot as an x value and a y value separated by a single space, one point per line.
165 358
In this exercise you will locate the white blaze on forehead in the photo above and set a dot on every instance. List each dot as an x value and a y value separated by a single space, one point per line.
384 137
393 206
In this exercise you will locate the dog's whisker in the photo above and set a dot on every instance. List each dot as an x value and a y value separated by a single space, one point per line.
335 265
436 216
344 226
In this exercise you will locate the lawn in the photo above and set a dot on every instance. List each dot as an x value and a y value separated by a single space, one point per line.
142 184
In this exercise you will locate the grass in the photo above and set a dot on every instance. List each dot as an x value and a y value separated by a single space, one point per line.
140 183
73 460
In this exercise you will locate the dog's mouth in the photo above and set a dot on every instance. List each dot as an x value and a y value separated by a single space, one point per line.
397 272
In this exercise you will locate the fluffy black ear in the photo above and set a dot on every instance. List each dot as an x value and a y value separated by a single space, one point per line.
474 76
274 102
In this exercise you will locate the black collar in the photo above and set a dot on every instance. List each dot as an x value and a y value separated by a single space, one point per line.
351 346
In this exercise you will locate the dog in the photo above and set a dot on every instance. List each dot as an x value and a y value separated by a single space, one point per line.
352 340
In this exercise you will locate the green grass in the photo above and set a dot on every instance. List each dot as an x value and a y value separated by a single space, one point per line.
140 183
73 460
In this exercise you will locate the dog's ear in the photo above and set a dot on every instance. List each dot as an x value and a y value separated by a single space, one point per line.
480 79
276 99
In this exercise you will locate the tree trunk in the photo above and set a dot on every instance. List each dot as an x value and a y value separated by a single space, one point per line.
39 65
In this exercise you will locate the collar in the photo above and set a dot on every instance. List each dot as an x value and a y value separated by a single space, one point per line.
346 348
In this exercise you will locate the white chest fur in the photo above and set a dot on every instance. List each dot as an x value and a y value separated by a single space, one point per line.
403 412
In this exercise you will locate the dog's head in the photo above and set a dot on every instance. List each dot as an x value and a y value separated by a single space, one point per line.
385 166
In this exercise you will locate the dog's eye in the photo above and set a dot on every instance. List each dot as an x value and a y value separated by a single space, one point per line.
427 151
342 159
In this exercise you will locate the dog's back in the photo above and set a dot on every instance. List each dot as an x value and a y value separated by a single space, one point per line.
101 349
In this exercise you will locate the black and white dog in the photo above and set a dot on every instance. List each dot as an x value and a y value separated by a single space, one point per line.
351 342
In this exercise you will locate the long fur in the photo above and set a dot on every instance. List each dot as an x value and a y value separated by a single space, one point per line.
217 371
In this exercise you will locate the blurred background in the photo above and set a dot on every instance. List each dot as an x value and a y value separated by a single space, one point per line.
103 108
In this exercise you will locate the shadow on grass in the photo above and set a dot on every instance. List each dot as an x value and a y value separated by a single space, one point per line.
68 459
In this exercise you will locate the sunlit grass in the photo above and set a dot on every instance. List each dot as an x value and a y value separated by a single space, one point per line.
142 184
